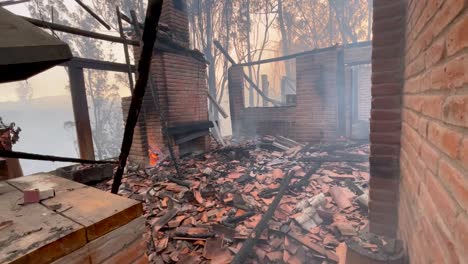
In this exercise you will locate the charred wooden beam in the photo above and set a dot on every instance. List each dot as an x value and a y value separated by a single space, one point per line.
98 65
215 103
93 14
30 156
79 32
126 18
231 60
153 13
248 245
287 57
127 57
80 111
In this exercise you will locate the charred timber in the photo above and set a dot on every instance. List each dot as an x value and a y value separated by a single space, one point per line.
127 57
150 33
248 245
93 14
304 181
231 60
79 32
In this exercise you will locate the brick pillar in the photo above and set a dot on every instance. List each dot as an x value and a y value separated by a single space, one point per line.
387 85
236 98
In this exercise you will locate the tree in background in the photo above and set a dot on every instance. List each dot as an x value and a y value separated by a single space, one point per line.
245 27
103 97
24 91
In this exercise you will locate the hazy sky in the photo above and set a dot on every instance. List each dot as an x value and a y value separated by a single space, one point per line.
54 81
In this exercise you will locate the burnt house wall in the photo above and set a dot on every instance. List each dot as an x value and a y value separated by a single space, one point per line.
180 82
321 110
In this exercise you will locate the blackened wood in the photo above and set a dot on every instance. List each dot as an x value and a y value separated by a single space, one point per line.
190 137
93 14
189 127
77 31
231 60
153 14
248 245
80 111
127 57
30 156
98 65
219 107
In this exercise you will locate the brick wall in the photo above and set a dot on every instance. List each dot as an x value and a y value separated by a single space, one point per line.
316 116
313 118
387 82
174 15
433 219
317 101
182 88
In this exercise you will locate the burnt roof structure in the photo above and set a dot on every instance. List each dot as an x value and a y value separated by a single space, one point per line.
26 50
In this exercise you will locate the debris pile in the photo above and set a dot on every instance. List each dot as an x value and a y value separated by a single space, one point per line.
274 201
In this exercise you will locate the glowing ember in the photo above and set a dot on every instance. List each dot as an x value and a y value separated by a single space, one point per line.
154 156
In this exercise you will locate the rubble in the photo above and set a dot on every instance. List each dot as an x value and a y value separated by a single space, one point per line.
210 215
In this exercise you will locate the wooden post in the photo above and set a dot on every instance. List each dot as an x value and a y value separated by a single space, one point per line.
265 88
127 57
80 111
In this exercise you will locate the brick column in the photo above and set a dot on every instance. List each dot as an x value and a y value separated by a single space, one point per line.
236 98
387 85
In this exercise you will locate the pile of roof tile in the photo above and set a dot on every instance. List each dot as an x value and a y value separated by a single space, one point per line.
206 216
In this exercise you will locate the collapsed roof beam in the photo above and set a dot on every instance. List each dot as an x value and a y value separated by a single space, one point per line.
91 12
98 65
231 60
79 32
286 57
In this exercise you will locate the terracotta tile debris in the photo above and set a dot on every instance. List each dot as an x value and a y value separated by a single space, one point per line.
230 190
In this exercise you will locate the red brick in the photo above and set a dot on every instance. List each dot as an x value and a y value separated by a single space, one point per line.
450 9
385 138
423 127
413 85
387 77
385 126
384 183
464 153
430 156
413 102
456 72
435 53
387 102
410 117
415 66
456 181
386 114
445 205
457 38
386 89
432 106
412 137
455 110
445 139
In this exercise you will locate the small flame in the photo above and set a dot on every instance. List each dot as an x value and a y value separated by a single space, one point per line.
154 156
